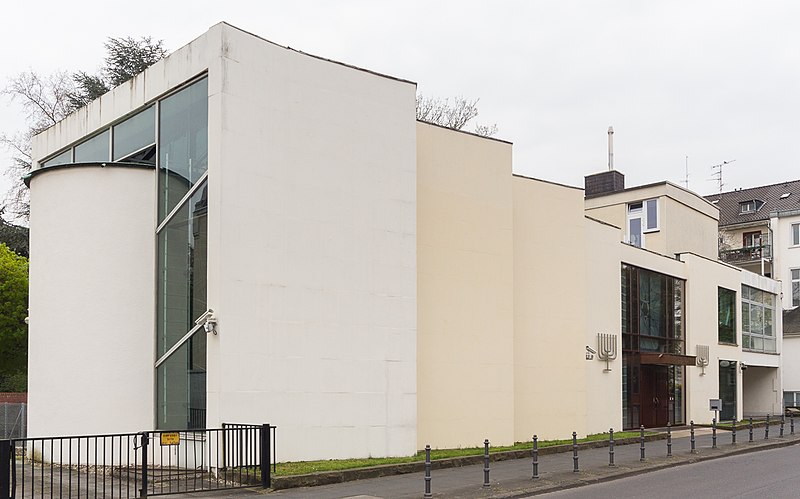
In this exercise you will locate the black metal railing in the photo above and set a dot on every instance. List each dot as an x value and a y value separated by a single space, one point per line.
747 254
137 464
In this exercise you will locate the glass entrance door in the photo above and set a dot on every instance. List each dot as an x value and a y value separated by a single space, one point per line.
727 389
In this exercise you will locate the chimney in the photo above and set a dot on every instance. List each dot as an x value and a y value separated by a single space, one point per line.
608 181
603 183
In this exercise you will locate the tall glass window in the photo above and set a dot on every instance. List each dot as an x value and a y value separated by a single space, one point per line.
183 144
758 331
726 312
182 256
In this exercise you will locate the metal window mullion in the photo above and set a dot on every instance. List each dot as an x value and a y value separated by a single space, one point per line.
178 344
183 201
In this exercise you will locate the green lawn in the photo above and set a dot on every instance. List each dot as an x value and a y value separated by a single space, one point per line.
305 467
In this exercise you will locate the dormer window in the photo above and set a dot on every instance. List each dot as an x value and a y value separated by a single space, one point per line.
752 206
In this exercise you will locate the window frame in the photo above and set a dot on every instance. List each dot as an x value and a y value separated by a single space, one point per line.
794 291
758 302
642 211
795 234
720 291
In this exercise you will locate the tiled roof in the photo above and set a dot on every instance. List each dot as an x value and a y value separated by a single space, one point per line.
791 321
773 197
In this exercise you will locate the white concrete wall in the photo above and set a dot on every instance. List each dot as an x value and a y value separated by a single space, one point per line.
787 255
791 366
91 341
312 251
762 390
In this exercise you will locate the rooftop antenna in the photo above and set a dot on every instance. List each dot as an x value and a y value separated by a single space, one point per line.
717 174
610 148
686 178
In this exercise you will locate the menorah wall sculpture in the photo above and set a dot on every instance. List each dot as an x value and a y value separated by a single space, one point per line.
702 357
606 348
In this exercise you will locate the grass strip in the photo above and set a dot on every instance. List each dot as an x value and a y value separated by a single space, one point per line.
305 467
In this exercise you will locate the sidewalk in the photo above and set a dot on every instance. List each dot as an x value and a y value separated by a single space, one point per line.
513 478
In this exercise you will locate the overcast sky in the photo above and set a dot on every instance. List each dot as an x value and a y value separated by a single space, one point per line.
712 80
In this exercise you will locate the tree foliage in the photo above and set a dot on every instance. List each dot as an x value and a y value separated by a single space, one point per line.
47 99
13 310
455 114
15 237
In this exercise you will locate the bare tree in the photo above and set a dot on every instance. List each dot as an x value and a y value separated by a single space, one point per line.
453 115
46 100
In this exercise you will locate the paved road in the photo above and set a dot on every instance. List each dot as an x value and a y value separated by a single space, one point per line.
769 474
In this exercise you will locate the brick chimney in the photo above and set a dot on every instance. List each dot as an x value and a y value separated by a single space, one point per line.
603 183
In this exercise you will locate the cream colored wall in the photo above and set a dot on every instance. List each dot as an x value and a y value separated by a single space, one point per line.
465 344
763 389
312 251
705 276
688 230
549 319
603 315
91 341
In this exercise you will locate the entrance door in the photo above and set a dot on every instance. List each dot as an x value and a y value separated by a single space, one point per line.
655 396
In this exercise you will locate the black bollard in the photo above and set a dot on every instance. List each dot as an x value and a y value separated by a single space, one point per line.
574 452
714 433
733 431
535 457
669 440
611 446
641 442
783 421
486 463
750 427
691 437
766 429
427 494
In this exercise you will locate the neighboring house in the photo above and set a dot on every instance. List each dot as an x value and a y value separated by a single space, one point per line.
759 230
273 237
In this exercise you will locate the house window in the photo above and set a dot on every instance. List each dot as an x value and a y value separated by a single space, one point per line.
795 234
795 287
642 218
758 331
751 239
726 312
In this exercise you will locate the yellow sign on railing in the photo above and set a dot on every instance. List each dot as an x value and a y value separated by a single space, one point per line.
170 438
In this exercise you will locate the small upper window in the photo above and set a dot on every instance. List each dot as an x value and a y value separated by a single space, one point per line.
751 206
63 158
785 195
795 234
642 217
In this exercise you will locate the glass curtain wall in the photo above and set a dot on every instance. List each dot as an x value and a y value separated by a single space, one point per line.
652 322
182 258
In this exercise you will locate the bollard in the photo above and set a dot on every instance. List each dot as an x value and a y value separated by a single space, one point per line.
535 457
641 442
783 421
750 426
669 440
766 429
574 452
486 463
691 438
733 432
427 494
611 446
714 433
791 425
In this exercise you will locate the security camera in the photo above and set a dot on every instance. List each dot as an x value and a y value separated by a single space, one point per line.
744 366
590 350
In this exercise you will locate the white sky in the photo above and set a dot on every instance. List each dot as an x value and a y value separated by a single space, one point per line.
714 80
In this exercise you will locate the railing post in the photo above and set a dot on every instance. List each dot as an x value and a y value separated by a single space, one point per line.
783 421
669 439
266 479
766 429
641 442
691 438
486 463
750 428
714 433
145 443
6 461
611 446
791 425
574 452
427 494
535 457
733 432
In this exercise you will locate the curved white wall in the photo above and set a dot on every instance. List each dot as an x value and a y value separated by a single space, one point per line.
91 301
